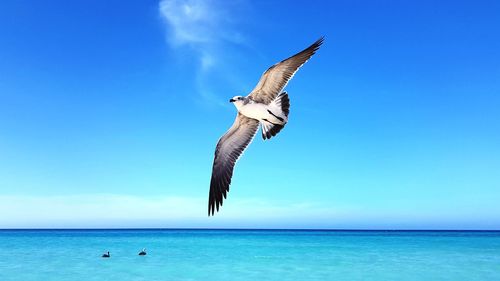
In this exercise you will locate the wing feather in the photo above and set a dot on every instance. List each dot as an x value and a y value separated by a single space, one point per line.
274 80
229 148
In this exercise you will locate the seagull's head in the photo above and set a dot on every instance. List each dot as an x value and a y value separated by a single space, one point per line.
237 101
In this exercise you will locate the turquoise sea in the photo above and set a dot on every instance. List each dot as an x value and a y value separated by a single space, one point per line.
249 255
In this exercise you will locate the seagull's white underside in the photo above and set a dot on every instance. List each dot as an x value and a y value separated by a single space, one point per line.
260 111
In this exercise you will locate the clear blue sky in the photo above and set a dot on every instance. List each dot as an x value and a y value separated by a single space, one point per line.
110 112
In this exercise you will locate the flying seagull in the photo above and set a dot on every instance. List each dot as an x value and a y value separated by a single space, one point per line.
267 105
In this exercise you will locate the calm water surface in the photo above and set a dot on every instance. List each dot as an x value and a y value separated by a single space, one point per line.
248 255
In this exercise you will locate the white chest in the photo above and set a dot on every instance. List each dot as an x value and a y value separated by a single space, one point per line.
254 110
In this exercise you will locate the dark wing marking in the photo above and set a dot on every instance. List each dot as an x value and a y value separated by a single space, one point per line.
270 130
274 80
229 148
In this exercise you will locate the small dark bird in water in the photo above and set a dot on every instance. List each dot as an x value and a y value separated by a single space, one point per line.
143 252
106 255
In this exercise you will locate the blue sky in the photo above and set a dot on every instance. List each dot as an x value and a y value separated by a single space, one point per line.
110 112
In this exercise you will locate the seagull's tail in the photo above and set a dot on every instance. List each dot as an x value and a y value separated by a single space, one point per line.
269 129
282 101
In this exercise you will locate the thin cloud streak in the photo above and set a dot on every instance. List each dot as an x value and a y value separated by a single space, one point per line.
130 211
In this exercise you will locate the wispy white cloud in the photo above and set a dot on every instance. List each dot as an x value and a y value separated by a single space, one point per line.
199 22
205 28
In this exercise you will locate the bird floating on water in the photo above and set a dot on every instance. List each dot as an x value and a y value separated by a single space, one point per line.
143 252
267 105
106 255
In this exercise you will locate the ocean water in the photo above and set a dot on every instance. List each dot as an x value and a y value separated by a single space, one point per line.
248 255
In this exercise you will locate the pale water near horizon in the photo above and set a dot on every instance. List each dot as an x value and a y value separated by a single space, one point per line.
248 255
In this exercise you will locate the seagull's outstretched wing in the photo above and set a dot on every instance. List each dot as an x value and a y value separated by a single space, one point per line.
274 80
229 148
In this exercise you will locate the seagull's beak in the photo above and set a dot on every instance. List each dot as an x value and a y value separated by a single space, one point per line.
231 100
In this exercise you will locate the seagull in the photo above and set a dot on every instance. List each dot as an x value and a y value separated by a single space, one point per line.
267 105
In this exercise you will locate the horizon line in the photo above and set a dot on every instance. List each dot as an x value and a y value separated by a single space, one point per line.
252 229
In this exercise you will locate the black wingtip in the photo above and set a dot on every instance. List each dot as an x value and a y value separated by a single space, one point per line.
318 43
211 206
